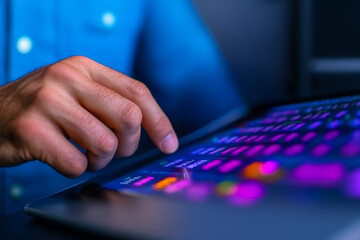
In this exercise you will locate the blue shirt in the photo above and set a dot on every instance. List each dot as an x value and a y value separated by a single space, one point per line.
160 42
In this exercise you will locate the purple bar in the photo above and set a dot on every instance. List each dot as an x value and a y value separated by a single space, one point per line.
350 149
254 150
231 140
295 117
257 129
217 150
241 138
240 150
319 174
196 164
354 122
315 116
254 129
277 137
294 149
221 140
267 128
340 114
251 190
308 136
247 193
307 116
269 167
331 135
277 127
334 124
321 150
251 138
272 149
262 137
315 125
143 181
282 119
289 126
229 166
298 126
197 151
173 162
211 165
324 115
207 150
184 164
177 186
229 150
268 120
291 137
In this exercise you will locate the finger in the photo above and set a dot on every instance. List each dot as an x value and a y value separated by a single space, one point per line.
81 126
118 113
154 120
48 144
88 132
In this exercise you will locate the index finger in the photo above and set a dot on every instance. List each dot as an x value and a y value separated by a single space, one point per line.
155 122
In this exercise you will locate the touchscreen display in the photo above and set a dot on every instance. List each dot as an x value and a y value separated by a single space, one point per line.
308 146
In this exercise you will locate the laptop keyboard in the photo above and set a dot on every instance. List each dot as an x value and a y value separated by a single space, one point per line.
313 145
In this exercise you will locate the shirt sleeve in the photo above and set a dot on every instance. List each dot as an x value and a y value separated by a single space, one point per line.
181 64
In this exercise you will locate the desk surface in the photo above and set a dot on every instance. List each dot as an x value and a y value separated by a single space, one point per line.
22 226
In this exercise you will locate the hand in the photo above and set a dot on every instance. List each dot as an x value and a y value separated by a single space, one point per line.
100 109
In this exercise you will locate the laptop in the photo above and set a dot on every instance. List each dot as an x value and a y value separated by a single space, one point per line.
290 171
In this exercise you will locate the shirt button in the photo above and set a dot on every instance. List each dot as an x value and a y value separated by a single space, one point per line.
24 45
16 191
108 19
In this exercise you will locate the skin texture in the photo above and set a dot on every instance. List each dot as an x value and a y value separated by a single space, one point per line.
100 109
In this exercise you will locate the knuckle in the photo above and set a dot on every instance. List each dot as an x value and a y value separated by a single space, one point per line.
161 125
68 71
45 95
132 116
78 59
60 72
47 100
106 144
139 89
76 168
55 70
28 127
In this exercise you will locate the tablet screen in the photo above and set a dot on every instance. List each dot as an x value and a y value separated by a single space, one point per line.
306 147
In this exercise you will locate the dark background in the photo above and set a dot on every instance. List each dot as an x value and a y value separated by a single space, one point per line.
281 49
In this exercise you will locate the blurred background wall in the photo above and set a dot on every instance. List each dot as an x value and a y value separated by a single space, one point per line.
281 49
254 36
335 39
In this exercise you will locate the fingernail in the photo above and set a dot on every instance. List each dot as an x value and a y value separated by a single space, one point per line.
169 144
